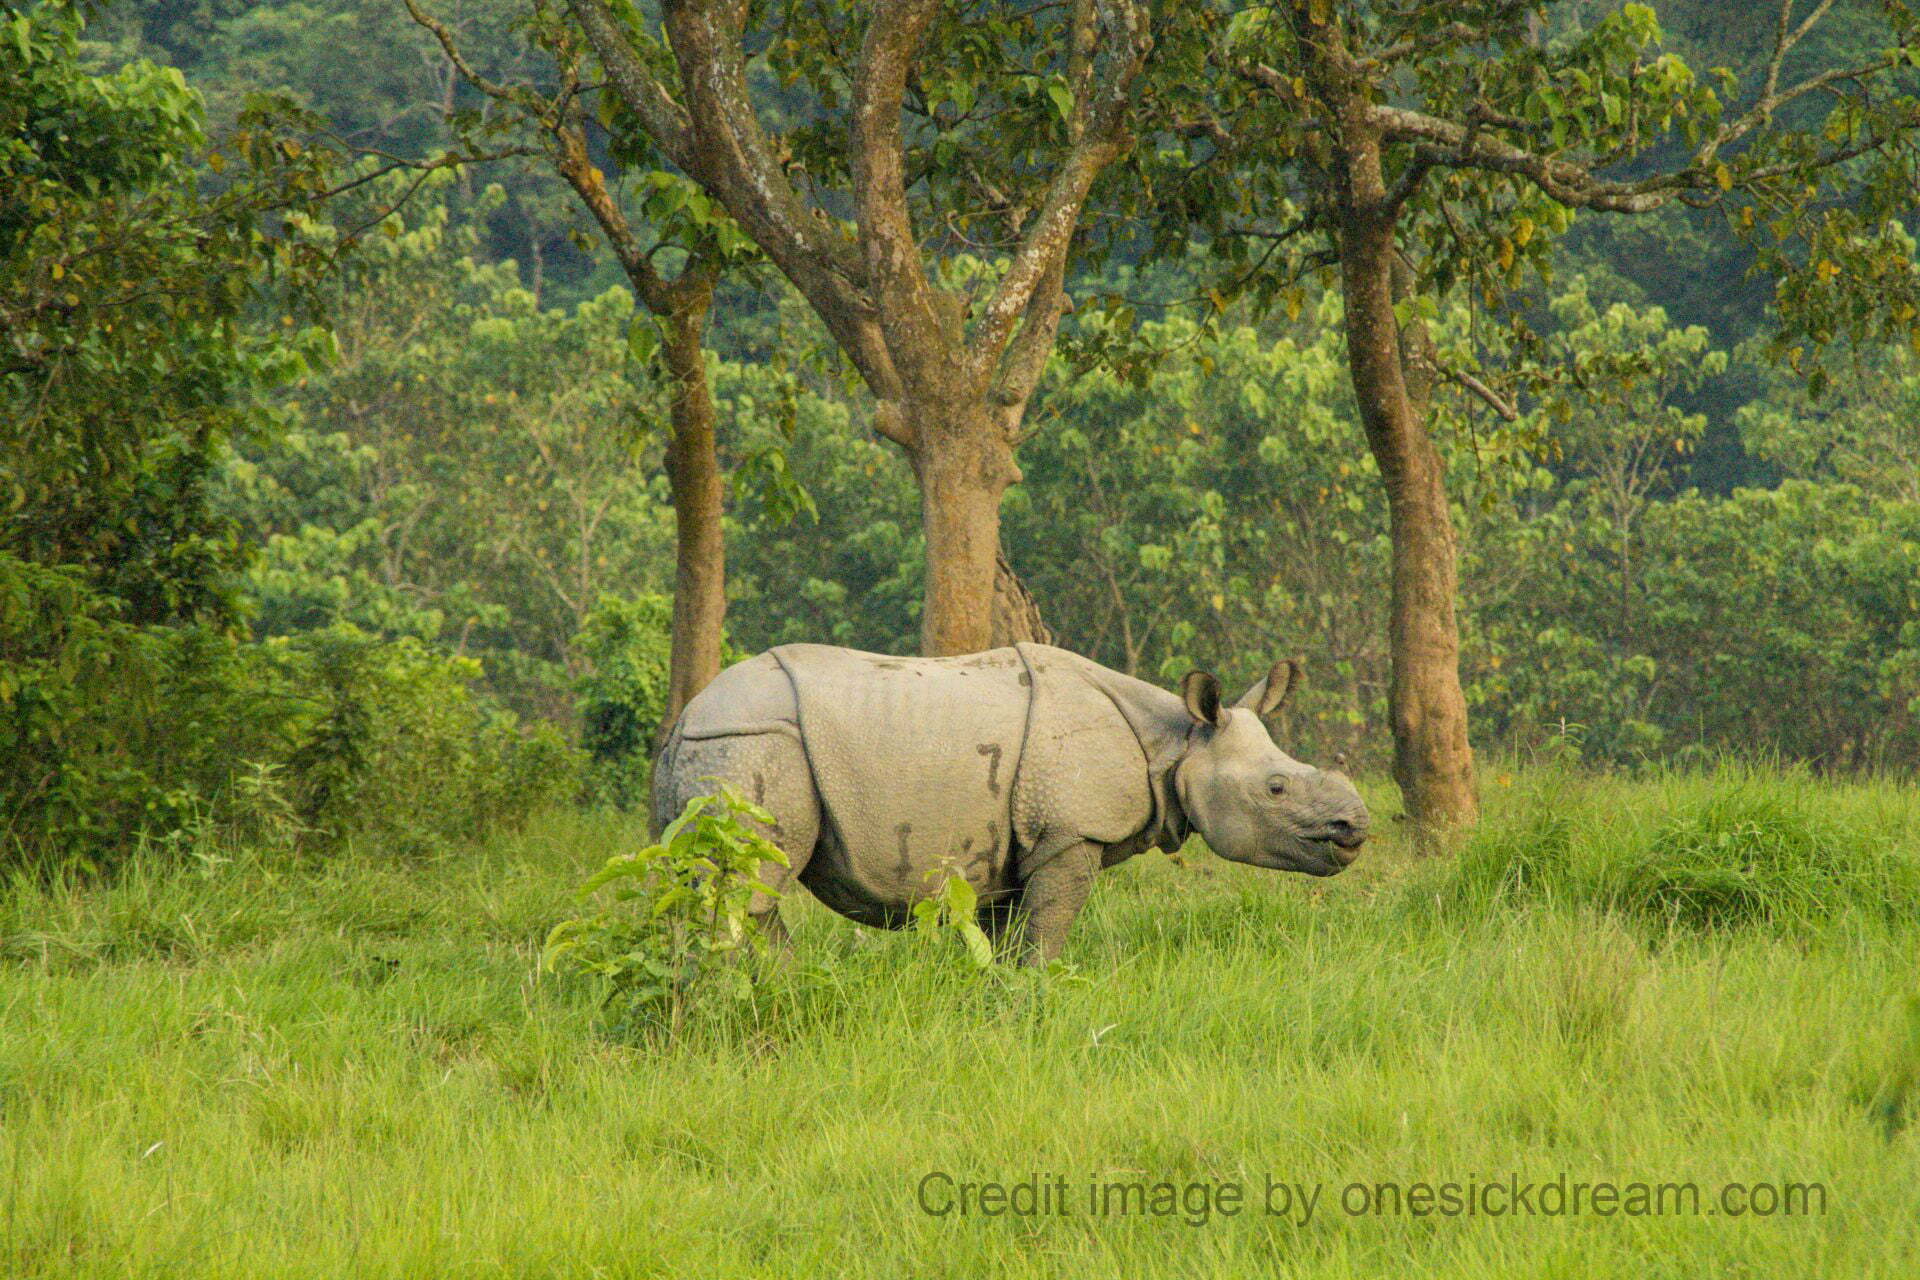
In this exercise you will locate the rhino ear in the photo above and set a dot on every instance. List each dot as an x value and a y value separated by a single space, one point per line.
1202 695
1271 691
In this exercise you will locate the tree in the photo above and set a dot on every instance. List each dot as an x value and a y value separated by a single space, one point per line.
1416 148
1865 430
681 302
463 468
1572 625
125 368
1622 435
1781 620
987 128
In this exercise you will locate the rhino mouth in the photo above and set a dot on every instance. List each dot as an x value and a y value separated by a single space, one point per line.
1338 851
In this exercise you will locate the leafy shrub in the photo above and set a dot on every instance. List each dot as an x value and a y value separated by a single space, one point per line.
111 734
680 913
1780 620
623 698
395 746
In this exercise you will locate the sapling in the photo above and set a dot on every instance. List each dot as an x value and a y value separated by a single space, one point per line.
677 919
954 912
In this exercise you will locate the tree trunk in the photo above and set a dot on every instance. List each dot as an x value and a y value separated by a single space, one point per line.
1393 376
1433 762
973 599
682 305
693 471
960 486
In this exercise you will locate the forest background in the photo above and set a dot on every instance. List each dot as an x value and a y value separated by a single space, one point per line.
366 519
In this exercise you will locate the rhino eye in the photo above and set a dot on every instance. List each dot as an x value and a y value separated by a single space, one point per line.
1276 786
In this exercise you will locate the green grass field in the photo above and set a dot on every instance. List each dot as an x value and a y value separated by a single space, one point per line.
252 1067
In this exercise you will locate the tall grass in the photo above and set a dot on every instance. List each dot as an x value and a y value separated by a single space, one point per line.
240 1066
1728 848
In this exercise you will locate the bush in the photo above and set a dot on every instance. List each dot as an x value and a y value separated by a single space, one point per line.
395 746
663 955
628 645
113 734
954 912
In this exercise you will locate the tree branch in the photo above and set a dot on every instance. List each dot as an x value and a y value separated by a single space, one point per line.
1100 113
895 275
664 119
738 166
561 120
503 93
1410 180
1459 33
890 423
1457 146
1784 40
1493 398
1032 344
1449 143
1762 111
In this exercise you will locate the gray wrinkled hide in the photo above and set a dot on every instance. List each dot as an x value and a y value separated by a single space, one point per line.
985 765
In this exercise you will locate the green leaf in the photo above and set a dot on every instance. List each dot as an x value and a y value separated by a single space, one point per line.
1062 98
643 339
979 949
961 898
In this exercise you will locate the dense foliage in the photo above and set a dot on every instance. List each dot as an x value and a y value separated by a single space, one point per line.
137 372
623 694
282 547
127 365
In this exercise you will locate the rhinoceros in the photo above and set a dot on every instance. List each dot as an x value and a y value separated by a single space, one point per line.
1023 769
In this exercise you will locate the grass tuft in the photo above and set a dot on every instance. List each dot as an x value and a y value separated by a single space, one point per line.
1752 854
1730 849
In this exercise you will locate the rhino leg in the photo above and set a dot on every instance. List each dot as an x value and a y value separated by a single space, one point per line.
1052 897
768 768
